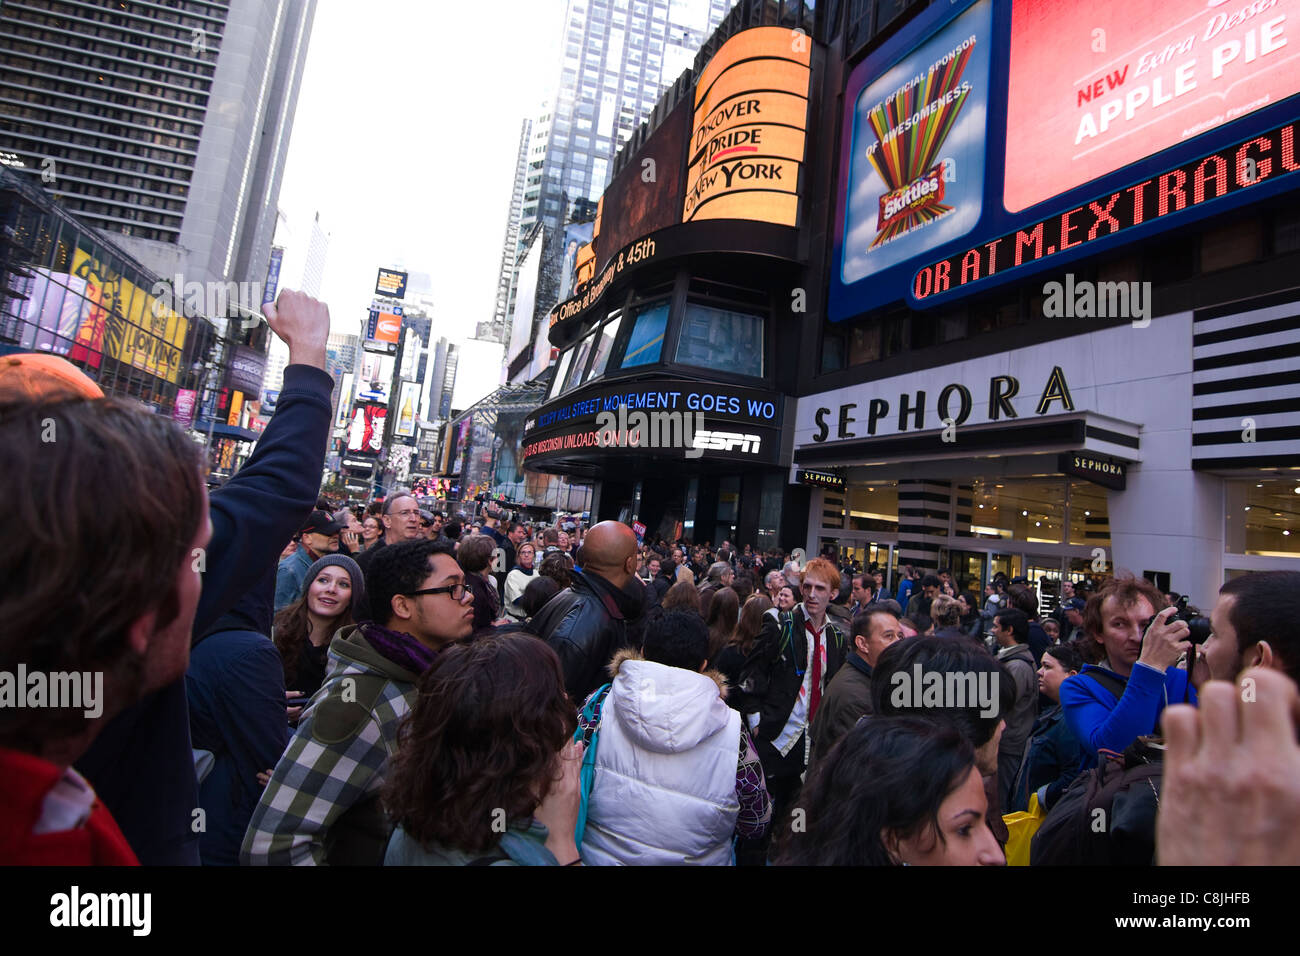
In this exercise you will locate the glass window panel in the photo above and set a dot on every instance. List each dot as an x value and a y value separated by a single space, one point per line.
580 361
1089 522
864 343
1030 509
561 371
604 345
647 339
1263 517
723 340
873 506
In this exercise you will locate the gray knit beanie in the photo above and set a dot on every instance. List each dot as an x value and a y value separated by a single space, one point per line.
351 567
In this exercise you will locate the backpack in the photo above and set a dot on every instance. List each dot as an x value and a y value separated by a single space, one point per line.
1107 816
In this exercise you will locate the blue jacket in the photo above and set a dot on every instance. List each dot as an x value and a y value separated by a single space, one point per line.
141 764
1100 722
291 573
1052 760
905 593
235 687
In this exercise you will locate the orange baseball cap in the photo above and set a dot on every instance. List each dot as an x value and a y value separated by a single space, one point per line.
38 376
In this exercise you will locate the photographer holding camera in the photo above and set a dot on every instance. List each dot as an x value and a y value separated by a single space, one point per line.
1110 705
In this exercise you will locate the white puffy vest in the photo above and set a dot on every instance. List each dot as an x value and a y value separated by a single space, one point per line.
664 791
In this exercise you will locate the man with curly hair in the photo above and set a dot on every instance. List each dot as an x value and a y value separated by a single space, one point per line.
322 803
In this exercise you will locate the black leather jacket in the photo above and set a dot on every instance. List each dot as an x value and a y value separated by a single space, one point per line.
586 625
773 672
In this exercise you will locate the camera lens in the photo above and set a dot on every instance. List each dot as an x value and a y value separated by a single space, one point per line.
1200 629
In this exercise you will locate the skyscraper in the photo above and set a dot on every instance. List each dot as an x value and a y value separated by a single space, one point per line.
617 60
496 328
341 358
166 124
313 271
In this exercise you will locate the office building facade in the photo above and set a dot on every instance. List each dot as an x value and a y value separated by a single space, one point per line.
165 125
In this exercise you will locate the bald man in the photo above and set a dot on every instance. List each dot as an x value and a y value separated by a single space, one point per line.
586 624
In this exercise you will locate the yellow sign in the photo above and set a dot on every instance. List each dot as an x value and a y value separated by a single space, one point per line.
748 131
138 329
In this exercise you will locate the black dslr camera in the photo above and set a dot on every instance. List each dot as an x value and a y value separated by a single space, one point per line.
1198 626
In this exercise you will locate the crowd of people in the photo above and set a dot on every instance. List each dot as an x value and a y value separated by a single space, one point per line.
290 680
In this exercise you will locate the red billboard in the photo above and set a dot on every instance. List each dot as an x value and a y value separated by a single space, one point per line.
366 429
1096 86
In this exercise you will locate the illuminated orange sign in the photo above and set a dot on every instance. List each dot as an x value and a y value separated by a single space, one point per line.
748 131
584 264
389 328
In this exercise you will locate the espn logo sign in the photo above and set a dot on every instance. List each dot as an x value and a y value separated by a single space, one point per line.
727 441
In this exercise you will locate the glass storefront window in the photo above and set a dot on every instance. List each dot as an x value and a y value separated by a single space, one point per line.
1030 510
873 507
728 508
647 339
1263 517
721 340
1089 523
968 570
769 512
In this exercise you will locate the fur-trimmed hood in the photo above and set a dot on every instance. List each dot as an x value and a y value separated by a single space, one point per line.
666 709
632 654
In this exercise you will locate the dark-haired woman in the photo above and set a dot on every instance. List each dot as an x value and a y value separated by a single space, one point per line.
330 602
486 772
682 596
724 611
536 595
731 659
971 621
475 558
557 566
894 791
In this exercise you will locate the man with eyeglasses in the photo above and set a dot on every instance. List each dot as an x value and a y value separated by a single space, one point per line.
337 759
402 522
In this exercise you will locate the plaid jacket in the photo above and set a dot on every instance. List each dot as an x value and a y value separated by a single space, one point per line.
335 762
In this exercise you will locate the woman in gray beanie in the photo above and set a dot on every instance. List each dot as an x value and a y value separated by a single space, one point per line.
334 598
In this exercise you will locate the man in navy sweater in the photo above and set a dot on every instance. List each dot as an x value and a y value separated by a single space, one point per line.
141 765
237 709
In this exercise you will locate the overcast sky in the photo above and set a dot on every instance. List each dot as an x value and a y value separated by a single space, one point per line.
405 140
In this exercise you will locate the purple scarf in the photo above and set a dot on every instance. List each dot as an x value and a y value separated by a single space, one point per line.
402 649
